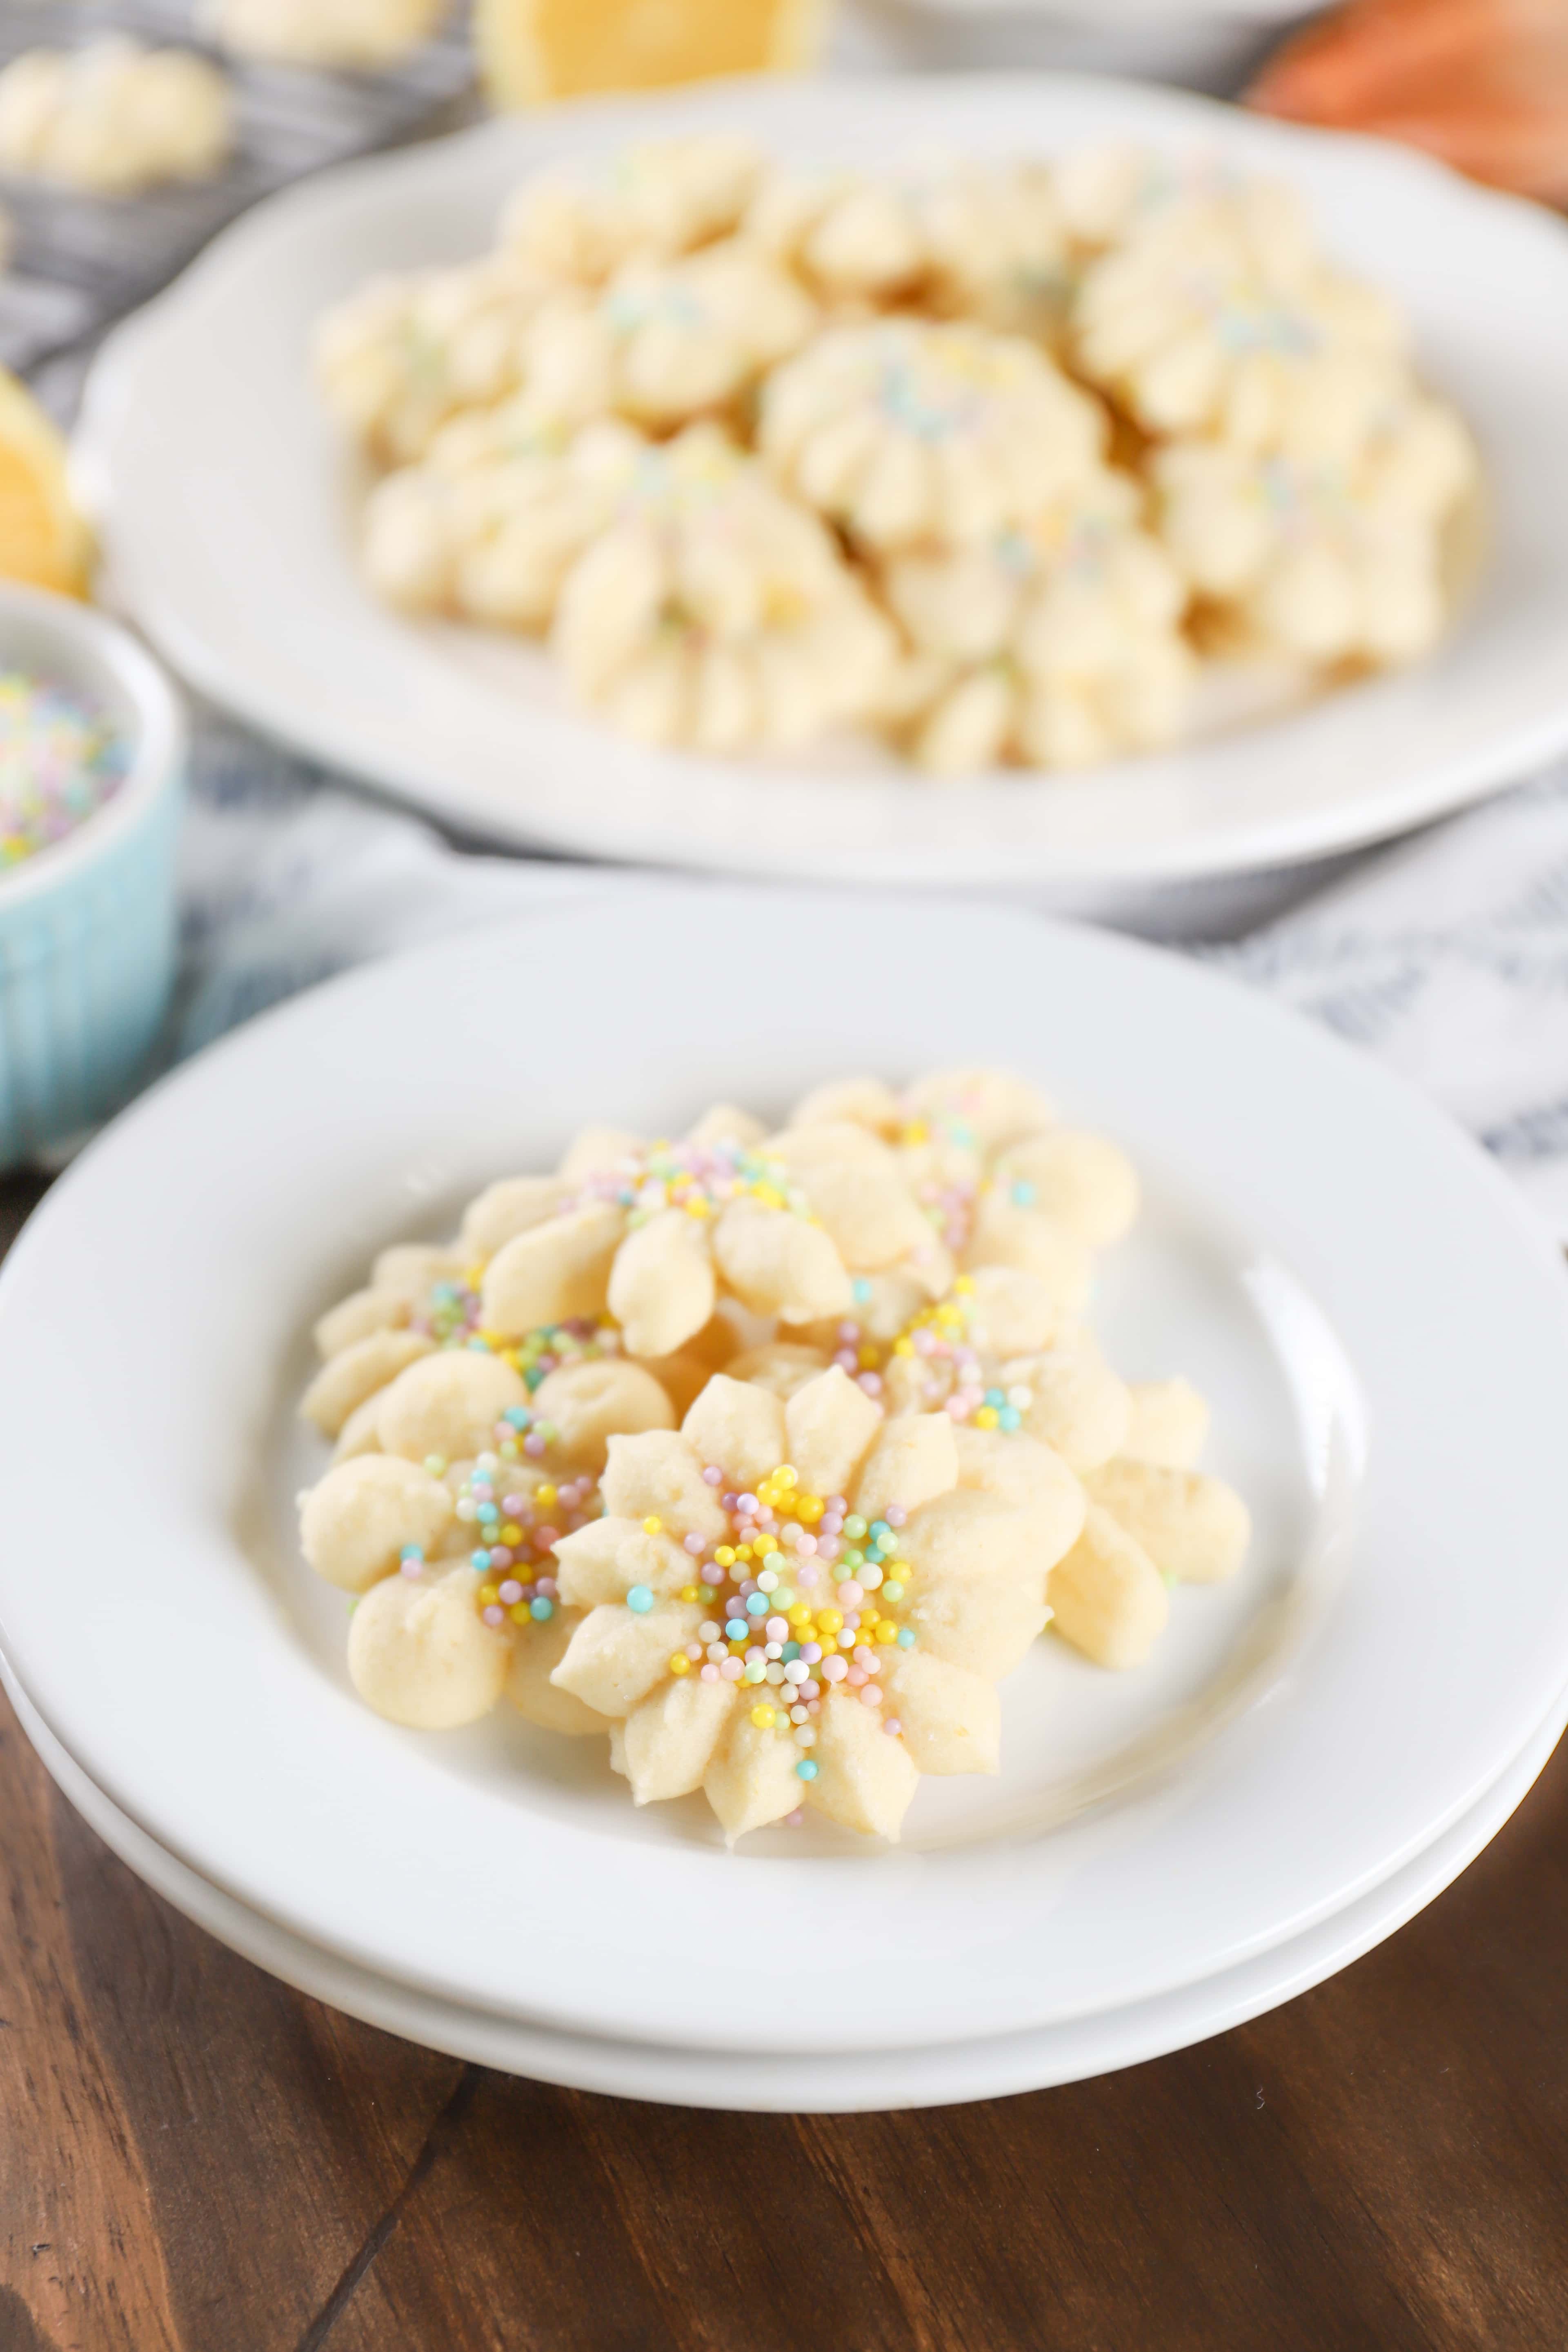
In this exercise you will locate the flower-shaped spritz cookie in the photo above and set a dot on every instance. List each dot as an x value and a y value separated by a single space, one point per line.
1001 1181
399 357
657 200
1325 562
1216 316
903 432
658 1232
489 525
802 1601
112 116
667 342
715 612
1058 646
364 34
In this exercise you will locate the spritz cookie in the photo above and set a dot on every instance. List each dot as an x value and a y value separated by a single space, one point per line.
403 355
654 202
1327 563
903 432
716 612
114 117
801 1600
487 526
365 35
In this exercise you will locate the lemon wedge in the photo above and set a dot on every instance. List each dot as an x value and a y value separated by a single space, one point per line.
533 50
43 540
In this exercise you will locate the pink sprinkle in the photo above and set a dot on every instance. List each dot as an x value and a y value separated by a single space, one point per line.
795 1821
955 1407
834 1670
855 1676
892 1723
864 1656
830 1524
871 1696
512 1503
847 1360
694 1651
413 1566
839 1503
511 1590
732 1670
533 1445
696 1546
810 1578
713 1574
811 1652
710 1675
808 1691
828 1548
545 1537
777 1628
895 1515
806 1545
871 1383
494 1616
713 1477
850 1594
547 1588
501 1556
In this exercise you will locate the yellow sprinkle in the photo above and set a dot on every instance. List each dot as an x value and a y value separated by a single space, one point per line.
987 1417
495 1340
680 1664
830 1619
650 1525
725 1555
763 1717
964 1283
917 1131
903 1347
512 1355
949 1315
511 1533
885 1629
474 1275
800 1615
696 1206
691 1592
869 1355
518 1612
742 1551
785 1475
488 1595
769 1195
544 1495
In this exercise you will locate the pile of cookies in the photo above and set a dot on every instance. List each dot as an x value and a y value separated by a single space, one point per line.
766 1455
990 460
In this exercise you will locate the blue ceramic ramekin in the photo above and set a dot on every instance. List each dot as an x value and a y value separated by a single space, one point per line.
88 926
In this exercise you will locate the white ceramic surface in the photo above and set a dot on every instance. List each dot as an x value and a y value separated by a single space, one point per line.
225 508
1326 1253
853 2081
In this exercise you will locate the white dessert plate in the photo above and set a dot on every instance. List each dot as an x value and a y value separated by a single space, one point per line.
1382 1329
855 2081
225 508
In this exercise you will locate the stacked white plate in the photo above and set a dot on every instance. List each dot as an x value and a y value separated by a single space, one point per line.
1312 1753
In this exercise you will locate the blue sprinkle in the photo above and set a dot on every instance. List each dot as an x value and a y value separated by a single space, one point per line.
996 1398
791 1649
757 1605
860 1291
639 1600
1023 1193
806 1770
737 1628
541 1609
480 1560
485 1513
517 1415
906 1637
1009 1417
879 1531
412 1551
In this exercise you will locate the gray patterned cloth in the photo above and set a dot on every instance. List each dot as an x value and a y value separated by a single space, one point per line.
1447 955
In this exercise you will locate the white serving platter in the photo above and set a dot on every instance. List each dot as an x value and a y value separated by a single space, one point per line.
224 503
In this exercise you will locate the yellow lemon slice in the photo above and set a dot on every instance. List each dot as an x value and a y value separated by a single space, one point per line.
531 50
43 540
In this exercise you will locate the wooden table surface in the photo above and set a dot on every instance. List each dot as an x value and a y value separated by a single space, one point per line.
193 2159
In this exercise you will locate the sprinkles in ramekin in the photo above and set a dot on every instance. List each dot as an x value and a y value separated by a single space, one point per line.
60 764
